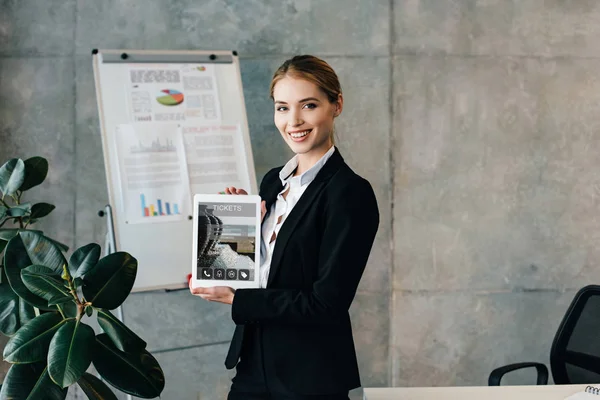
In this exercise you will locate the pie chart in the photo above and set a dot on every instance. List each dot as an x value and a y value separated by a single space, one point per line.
170 97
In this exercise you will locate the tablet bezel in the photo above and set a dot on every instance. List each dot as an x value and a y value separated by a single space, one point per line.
226 198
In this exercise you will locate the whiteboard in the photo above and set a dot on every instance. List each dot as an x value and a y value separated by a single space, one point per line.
163 249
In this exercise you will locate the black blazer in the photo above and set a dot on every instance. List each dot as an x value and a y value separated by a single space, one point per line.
319 257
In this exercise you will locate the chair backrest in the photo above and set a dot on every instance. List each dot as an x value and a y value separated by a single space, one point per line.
575 352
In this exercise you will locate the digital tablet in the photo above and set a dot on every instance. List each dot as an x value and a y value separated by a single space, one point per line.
226 244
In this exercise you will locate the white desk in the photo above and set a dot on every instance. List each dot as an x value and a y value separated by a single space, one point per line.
542 392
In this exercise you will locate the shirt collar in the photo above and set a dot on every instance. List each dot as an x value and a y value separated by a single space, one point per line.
307 177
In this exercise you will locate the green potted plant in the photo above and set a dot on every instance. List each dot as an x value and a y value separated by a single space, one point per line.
46 298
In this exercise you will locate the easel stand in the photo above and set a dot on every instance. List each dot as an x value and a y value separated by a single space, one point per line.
110 246
110 243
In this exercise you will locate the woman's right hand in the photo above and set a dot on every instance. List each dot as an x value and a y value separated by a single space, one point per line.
263 204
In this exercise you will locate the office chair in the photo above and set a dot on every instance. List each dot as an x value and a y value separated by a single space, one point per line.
575 351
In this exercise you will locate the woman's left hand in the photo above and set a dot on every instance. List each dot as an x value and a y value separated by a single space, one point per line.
222 294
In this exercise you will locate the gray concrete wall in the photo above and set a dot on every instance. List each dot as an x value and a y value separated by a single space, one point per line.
475 121
495 176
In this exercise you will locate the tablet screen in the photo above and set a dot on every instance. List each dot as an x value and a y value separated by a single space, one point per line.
226 241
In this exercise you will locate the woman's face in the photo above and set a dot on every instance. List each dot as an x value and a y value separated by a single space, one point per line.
304 116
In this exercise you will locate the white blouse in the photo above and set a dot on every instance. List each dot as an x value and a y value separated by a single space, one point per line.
282 207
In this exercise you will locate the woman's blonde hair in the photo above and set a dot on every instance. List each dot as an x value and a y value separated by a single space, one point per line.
314 70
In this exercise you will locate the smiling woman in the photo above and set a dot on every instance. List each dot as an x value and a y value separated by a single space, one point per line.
293 337
307 97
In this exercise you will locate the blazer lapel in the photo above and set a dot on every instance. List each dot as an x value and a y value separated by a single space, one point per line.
270 195
304 203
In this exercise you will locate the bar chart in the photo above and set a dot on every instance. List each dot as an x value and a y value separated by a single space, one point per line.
160 209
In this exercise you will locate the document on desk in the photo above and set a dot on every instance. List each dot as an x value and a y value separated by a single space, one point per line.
583 396
590 393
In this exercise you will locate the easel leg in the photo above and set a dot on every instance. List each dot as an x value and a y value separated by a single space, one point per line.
110 246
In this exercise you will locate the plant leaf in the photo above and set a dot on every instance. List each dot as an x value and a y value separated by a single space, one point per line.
3 211
84 259
108 284
69 309
78 282
40 210
30 382
18 210
123 338
14 311
12 175
16 258
42 282
89 311
36 170
70 352
7 234
58 244
94 388
43 251
3 244
138 374
30 344
61 300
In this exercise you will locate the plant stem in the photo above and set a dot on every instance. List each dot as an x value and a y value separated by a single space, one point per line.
80 311
3 202
73 292
80 305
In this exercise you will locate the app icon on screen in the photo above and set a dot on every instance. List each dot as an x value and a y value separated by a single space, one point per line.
231 274
206 273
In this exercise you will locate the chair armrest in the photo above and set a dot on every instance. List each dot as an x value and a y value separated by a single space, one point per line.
497 374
